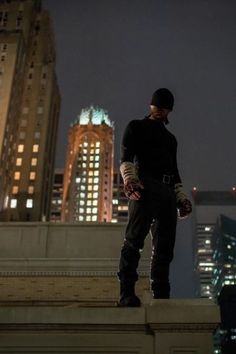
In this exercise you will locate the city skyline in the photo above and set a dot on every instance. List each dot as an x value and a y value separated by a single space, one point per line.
115 54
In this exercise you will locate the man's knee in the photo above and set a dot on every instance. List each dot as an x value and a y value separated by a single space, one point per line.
133 245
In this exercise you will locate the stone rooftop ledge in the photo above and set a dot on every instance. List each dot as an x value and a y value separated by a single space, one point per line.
159 327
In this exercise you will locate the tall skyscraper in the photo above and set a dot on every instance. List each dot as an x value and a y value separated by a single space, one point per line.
29 111
224 253
88 176
208 206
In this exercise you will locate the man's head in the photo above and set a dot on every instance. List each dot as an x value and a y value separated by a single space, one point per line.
161 104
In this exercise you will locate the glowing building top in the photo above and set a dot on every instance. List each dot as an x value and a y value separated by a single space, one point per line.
93 115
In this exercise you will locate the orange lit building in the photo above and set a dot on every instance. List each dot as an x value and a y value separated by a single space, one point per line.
88 176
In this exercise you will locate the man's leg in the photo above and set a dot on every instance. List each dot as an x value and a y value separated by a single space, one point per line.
136 232
163 240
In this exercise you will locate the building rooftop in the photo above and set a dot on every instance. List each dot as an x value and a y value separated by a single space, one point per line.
214 197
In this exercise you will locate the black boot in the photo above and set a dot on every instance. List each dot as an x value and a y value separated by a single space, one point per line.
160 290
127 295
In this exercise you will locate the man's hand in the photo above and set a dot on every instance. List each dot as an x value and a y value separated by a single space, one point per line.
185 208
133 189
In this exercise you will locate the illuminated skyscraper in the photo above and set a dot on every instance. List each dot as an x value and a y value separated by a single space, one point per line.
88 176
208 206
29 111
224 253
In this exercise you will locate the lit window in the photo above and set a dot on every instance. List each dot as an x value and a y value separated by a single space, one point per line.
15 189
29 203
92 151
82 188
91 158
96 173
13 203
89 195
32 176
90 173
97 143
84 165
81 218
94 218
82 195
18 162
85 144
88 210
90 180
96 180
96 158
88 218
95 210
17 175
90 187
95 202
96 165
97 151
34 162
92 144
95 195
95 187
81 202
20 148
91 165
85 151
84 158
81 210
78 179
30 189
207 228
35 148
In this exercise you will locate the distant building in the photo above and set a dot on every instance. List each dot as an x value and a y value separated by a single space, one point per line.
120 201
226 336
208 205
29 111
88 177
224 253
57 195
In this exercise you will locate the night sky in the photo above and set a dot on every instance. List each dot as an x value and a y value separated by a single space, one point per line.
115 53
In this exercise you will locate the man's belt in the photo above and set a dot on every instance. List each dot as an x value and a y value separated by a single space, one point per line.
163 178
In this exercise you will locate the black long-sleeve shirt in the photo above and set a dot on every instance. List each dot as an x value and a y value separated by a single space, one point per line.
152 148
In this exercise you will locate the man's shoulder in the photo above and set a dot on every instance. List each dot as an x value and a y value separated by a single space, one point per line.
135 124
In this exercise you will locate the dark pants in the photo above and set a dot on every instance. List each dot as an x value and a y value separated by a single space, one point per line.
155 211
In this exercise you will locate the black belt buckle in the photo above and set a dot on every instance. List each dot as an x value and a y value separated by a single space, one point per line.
166 179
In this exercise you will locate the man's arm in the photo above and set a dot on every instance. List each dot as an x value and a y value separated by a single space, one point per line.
183 203
132 184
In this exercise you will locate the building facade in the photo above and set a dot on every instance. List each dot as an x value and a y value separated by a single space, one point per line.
120 201
88 177
29 111
208 205
57 195
224 253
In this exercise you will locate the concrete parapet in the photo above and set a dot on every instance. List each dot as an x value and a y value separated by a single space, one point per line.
161 327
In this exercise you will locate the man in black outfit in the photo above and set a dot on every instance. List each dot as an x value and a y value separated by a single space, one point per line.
154 188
